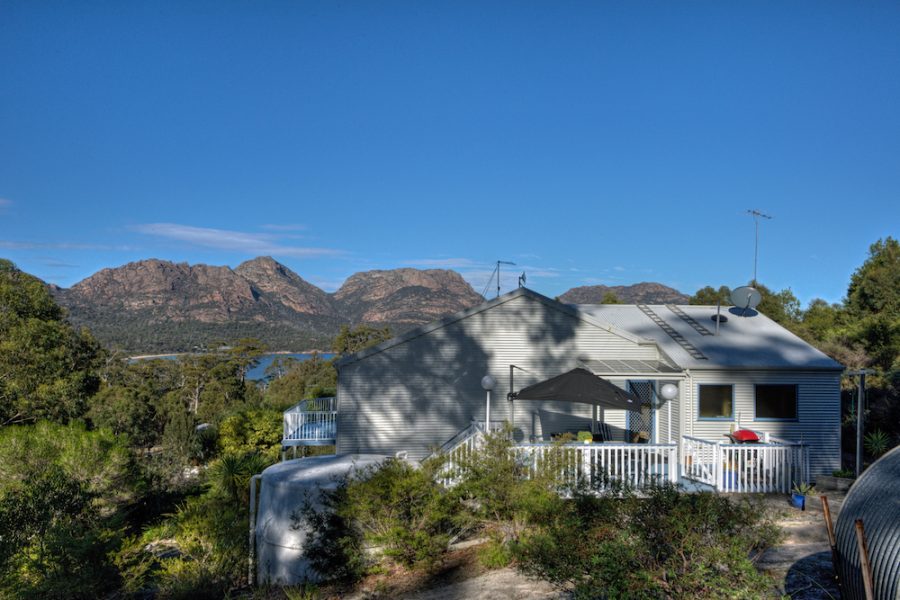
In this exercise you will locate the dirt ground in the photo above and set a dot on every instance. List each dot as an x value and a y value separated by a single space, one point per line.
802 562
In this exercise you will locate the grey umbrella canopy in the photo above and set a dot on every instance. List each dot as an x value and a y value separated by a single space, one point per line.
582 386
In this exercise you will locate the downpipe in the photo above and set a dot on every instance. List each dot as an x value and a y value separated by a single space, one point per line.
251 559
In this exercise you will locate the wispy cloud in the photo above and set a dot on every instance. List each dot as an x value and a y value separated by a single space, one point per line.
5 202
57 264
13 245
284 227
239 241
443 263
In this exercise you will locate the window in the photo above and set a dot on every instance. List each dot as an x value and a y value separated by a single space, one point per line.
716 402
776 401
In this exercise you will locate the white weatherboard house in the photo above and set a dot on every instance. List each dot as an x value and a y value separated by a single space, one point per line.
423 390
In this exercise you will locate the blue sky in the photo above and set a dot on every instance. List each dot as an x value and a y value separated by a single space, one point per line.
597 142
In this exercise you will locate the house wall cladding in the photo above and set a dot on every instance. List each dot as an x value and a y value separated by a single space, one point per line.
418 394
818 405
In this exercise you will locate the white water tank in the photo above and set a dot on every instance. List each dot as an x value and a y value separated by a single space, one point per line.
283 491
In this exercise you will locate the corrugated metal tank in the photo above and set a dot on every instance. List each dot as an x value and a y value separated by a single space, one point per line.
874 498
283 490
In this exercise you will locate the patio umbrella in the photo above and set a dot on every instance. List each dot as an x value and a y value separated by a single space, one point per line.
582 386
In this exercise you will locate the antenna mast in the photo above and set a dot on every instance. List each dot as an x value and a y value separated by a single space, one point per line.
756 215
496 273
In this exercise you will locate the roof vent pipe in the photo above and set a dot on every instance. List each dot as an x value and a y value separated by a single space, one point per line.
718 314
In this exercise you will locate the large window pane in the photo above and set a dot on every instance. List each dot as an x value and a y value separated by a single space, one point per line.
716 402
776 401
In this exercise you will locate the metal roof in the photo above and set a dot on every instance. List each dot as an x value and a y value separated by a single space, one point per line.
629 367
686 335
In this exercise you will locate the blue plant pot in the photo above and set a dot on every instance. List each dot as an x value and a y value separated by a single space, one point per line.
798 501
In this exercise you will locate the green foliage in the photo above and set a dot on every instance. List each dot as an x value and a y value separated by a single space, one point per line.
312 378
846 473
396 506
229 476
709 296
210 532
875 286
610 298
782 307
47 369
359 338
669 544
98 460
585 436
804 489
252 430
495 554
877 442
124 411
501 492
52 541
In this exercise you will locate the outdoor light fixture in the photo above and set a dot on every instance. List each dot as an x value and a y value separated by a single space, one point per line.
668 392
488 383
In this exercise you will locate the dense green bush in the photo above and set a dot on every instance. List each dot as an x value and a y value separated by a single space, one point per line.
396 507
53 541
667 544
252 430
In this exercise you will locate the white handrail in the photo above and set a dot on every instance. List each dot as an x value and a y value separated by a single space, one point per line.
312 426
746 468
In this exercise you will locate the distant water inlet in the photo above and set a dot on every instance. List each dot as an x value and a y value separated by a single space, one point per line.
256 373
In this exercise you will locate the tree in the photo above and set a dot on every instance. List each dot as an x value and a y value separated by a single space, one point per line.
782 307
312 378
124 411
709 296
48 370
610 298
359 338
875 286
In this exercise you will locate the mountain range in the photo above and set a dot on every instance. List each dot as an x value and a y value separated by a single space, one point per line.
156 306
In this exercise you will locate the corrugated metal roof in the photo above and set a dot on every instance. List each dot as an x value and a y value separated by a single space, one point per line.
743 342
628 367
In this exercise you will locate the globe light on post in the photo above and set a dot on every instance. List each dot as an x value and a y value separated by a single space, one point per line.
668 392
488 383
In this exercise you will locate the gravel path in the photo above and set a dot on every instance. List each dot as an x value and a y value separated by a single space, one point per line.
502 584
802 562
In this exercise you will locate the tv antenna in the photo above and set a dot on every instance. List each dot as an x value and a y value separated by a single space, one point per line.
496 273
522 279
756 215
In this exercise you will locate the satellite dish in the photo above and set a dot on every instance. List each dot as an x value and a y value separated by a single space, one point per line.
746 298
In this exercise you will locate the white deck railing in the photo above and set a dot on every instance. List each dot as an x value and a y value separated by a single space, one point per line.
773 466
594 466
597 465
310 422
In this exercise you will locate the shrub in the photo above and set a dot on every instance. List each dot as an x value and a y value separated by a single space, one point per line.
669 544
585 436
396 507
53 542
877 442
253 430
503 490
